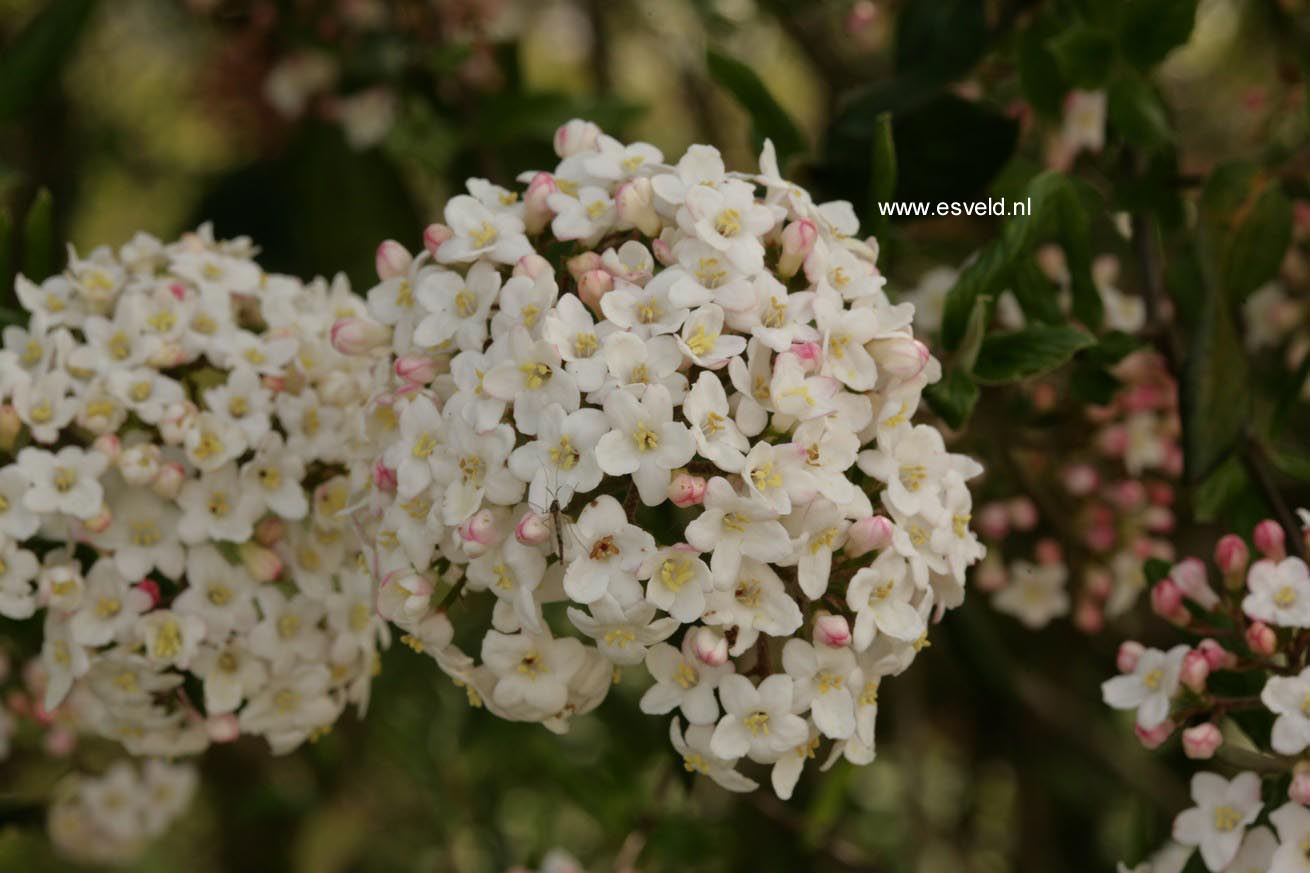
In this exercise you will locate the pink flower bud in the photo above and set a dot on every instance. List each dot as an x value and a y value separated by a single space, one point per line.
150 588
1192 579
1167 601
1048 552
1160 493
1299 790
261 562
109 445
798 239
1023 513
1270 539
1261 639
810 354
1130 651
832 630
579 265
1231 555
576 136
270 530
533 266
901 357
222 728
416 369
536 208
392 260
1100 536
594 285
99 523
384 478
634 204
710 647
168 481
1080 479
1201 742
359 336
1129 494
1195 671
479 532
1155 737
10 425
1216 655
993 521
868 534
1088 616
1113 440
663 252
992 575
533 529
434 235
1098 583
686 490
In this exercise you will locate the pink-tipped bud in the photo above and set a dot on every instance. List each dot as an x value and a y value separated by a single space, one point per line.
798 239
686 490
1232 555
109 445
810 354
1216 655
580 265
10 425
1160 493
270 530
1130 652
1129 494
479 533
1088 616
392 260
222 728
168 481
594 285
1113 440
1195 671
1261 639
833 631
434 236
1167 601
533 266
991 575
533 529
1023 513
1201 742
1080 479
536 207
99 523
1299 790
359 336
176 423
150 588
416 369
867 534
634 203
1270 539
710 647
1098 583
576 136
260 562
663 252
901 357
1156 736
1192 579
1048 552
994 521
384 478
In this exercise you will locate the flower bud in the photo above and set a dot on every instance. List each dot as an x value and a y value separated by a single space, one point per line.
358 336
10 425
1080 479
222 728
1261 639
1270 539
384 478
262 563
810 354
1201 742
536 208
99 523
270 530
434 235
60 742
1129 495
992 575
1216 655
1231 555
832 630
1023 513
1098 583
576 136
663 252
1195 671
579 265
479 533
392 260
686 490
109 445
798 239
868 534
993 521
1299 790
1130 651
1192 579
902 357
168 481
150 588
140 464
533 529
594 285
416 369
634 203
533 266
177 421
710 647
1155 737
1088 616
1048 552
1167 601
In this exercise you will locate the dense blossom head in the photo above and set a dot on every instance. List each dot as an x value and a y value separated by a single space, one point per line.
171 502
660 414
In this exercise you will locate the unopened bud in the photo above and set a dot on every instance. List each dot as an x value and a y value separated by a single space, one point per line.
177 420
798 239
1231 556
533 266
10 425
1081 479
1167 601
433 237
1155 737
392 260
384 478
810 355
994 521
1261 639
832 630
168 481
634 204
1088 616
1130 652
663 252
533 529
416 369
576 136
149 588
359 336
60 742
594 285
1048 552
1202 741
270 530
686 490
222 728
109 445
1270 539
1216 655
710 647
261 562
902 357
140 464
1192 579
1195 671
479 533
868 534
1023 513
991 575
536 206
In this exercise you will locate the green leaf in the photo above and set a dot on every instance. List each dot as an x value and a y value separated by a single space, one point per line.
953 398
973 335
882 188
768 119
1215 391
944 38
1216 491
1294 465
1150 29
39 238
1022 354
1038 296
1113 347
1092 384
1136 111
1040 76
1247 221
1085 55
1155 569
32 61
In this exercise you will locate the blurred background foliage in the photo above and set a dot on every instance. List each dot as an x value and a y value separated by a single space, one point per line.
321 127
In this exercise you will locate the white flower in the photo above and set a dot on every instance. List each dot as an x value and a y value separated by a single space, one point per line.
1219 820
823 677
17 571
1279 592
728 219
17 521
1149 688
717 436
562 460
219 593
570 327
699 165
532 379
703 340
733 527
170 639
912 466
479 232
645 310
472 467
645 442
1036 593
1293 824
603 553
699 757
457 307
1256 854
110 607
678 582
584 216
217 507
291 707
623 633
67 482
1288 697
758 721
532 669
881 596
683 682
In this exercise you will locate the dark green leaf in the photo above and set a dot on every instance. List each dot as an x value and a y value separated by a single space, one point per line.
1217 490
1215 390
1155 570
1022 354
1038 296
950 148
32 61
953 398
973 335
1295 465
1085 55
1092 384
1247 220
39 238
1150 29
1137 113
1113 347
942 37
768 119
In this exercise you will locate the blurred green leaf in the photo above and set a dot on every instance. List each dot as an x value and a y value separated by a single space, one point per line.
1215 392
1219 489
943 38
38 259
883 171
973 335
1085 55
1113 346
1295 465
1248 225
953 398
1150 29
1040 75
1032 351
1137 113
1038 296
32 61
768 119
1093 384
1155 569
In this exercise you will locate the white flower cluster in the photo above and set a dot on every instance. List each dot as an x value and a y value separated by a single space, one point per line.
112 818
643 409
178 443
